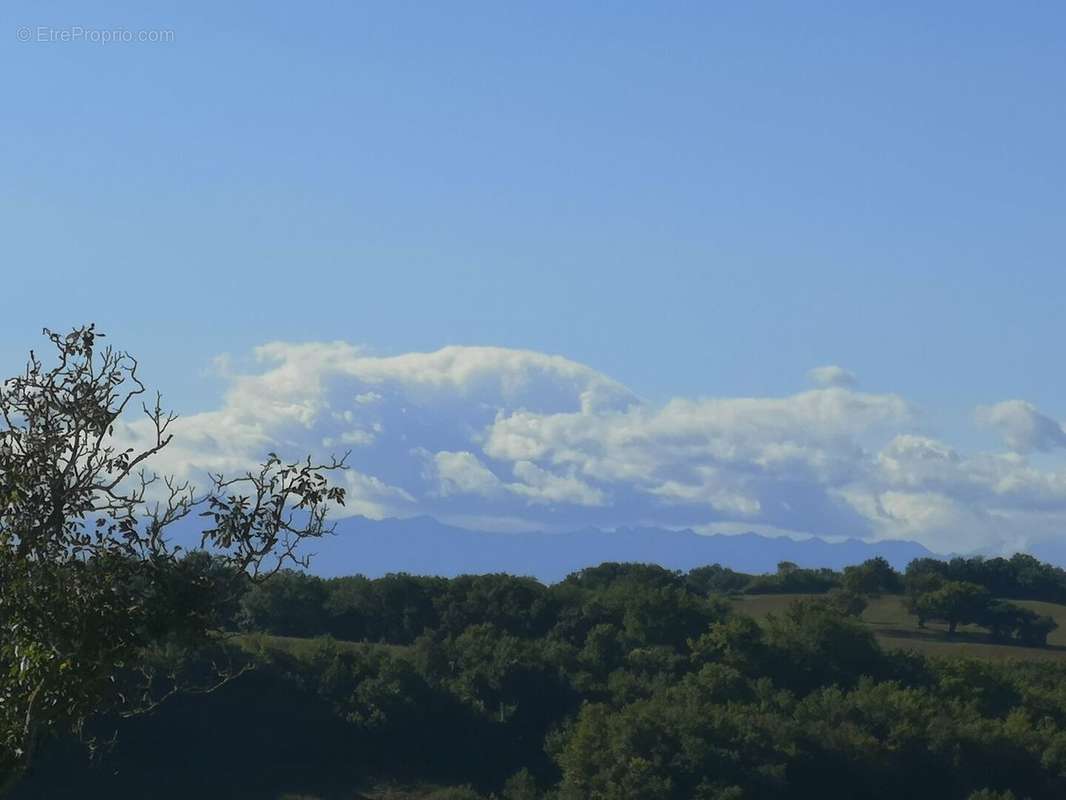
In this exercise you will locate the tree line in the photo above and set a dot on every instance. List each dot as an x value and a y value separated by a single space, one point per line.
398 608
622 681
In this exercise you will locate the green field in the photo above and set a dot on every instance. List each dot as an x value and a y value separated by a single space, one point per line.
896 629
886 616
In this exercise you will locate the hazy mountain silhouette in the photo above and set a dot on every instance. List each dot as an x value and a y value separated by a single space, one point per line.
424 546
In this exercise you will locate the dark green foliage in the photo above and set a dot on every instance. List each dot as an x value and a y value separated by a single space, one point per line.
847 602
398 608
100 613
1033 629
291 604
873 577
1020 577
716 579
962 603
630 681
955 603
623 681
612 574
790 579
454 793
520 786
519 606
813 645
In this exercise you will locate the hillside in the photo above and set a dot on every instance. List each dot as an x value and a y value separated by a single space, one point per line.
629 677
896 629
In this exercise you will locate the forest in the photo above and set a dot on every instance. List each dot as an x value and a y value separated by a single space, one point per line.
621 681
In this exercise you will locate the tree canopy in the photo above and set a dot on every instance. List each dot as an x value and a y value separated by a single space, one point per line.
95 600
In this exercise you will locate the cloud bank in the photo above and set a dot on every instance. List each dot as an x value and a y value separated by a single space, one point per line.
512 439
1024 429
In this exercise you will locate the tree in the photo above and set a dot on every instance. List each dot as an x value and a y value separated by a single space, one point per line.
874 576
1033 629
845 602
919 583
812 643
291 604
956 602
521 786
93 590
1004 619
716 579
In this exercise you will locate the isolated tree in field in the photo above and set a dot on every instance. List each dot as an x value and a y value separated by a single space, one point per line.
956 603
94 599
1004 619
1035 628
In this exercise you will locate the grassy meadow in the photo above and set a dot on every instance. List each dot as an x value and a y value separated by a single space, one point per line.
896 629
886 616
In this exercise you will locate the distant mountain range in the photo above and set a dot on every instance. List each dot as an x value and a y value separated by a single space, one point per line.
424 546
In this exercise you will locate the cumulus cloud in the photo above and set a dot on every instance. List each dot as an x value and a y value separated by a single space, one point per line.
461 473
1023 427
476 435
832 375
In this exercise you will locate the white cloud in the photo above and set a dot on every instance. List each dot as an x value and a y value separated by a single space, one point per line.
954 526
366 398
462 473
542 486
832 375
1022 426
483 435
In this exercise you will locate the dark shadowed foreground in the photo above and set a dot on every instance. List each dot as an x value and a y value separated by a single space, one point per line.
622 681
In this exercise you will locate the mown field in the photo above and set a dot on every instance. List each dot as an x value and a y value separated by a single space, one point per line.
896 629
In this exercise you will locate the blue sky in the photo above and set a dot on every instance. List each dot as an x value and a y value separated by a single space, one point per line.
702 200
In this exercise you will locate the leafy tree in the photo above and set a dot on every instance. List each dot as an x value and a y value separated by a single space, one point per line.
791 579
917 585
291 604
1033 629
846 602
813 644
1005 619
520 786
716 579
520 606
349 608
92 586
612 573
872 577
738 642
955 603
1002 618
1021 577
404 607
648 605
